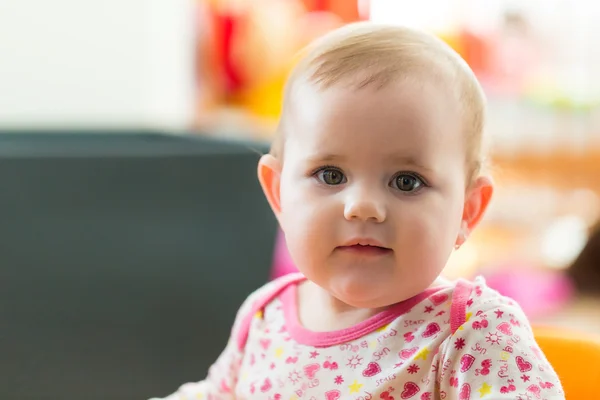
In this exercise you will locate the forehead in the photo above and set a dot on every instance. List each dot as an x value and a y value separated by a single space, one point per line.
405 117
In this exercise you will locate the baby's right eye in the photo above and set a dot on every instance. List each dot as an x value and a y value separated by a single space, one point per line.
331 176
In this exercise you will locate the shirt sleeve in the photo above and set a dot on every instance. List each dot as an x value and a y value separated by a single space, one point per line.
494 356
220 382
223 374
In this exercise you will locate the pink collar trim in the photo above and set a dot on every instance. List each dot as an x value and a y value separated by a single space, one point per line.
325 339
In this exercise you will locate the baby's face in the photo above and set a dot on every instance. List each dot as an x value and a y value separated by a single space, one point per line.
372 188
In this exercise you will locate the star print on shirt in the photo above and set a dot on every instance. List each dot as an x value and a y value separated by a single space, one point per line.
355 387
423 353
279 352
476 363
485 389
428 309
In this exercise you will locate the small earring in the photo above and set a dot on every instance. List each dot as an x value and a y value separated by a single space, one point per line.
462 236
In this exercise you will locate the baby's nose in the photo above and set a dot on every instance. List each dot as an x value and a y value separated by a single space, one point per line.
365 208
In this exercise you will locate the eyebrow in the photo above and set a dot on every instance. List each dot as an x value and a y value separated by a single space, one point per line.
408 160
392 159
327 158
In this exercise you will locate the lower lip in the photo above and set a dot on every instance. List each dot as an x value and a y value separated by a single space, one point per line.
365 250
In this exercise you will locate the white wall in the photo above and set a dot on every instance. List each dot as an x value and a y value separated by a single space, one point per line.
101 63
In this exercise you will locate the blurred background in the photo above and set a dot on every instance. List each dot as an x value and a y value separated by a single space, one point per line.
133 226
537 64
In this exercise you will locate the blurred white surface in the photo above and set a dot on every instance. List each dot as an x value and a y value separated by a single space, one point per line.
110 63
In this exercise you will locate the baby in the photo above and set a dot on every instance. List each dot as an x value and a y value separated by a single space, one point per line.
376 175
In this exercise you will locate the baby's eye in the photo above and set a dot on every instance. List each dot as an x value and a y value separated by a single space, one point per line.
407 182
331 176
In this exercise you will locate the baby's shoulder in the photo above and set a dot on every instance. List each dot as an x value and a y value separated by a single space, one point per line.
483 298
257 301
474 300
492 350
261 297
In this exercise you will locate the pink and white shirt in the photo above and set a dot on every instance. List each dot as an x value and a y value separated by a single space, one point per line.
462 341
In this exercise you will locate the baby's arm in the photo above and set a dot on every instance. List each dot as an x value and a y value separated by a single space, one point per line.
223 374
494 356
220 382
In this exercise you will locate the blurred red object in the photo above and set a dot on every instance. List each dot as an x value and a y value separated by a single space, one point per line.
476 51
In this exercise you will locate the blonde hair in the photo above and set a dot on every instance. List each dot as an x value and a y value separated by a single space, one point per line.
364 54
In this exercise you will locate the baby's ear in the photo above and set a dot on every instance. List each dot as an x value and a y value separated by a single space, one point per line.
269 176
477 201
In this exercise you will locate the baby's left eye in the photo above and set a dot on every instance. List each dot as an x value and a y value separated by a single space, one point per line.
407 183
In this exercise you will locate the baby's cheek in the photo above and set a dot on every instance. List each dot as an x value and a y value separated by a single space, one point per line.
431 233
306 234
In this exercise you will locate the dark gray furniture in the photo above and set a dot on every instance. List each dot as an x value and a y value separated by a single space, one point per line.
124 258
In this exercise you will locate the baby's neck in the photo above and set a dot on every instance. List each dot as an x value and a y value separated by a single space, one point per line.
319 311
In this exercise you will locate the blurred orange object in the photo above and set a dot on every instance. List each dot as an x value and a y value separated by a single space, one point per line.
273 32
345 9
575 357
249 48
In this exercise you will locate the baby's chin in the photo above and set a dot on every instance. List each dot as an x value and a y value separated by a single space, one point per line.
373 291
365 302
375 295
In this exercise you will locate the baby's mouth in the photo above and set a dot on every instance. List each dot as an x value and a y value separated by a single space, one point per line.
365 250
